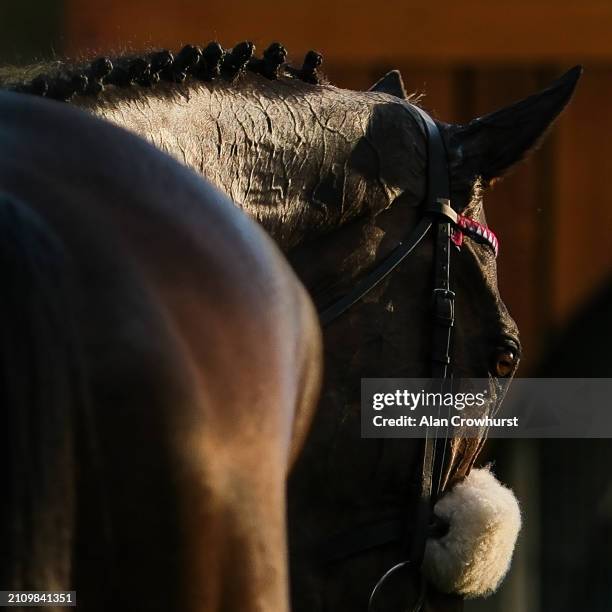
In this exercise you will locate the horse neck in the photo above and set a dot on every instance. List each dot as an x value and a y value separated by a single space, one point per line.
331 265
282 150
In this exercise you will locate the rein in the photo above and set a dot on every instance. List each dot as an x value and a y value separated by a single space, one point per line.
448 227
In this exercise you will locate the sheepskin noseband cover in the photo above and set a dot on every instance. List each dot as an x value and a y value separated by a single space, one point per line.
484 520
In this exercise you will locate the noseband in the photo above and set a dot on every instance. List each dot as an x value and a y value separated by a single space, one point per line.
449 228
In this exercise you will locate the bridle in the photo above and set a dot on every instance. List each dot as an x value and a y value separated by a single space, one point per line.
449 227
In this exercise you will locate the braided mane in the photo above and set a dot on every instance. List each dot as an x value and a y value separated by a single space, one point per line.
210 63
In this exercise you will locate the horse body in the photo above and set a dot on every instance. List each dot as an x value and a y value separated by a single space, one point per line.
174 368
304 159
337 178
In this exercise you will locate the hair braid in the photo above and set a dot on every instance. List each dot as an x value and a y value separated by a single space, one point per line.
66 86
309 70
184 63
270 65
208 64
97 71
235 62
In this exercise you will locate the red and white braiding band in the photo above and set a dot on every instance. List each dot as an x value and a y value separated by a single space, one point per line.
475 230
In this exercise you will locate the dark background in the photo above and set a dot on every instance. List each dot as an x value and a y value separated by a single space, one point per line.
553 214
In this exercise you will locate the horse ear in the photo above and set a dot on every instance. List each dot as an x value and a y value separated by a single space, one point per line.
391 83
488 146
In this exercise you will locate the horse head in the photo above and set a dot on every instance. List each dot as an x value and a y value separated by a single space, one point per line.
389 332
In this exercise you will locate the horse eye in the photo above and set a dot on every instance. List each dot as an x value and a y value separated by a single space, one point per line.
504 362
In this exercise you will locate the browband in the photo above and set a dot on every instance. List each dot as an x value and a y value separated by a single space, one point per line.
476 230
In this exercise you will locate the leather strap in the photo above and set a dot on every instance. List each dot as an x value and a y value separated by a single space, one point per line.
367 536
373 278
437 212
438 204
443 303
435 445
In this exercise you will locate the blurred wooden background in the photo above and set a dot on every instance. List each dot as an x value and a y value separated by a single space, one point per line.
553 213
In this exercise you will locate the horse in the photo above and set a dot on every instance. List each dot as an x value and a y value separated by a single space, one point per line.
160 364
338 178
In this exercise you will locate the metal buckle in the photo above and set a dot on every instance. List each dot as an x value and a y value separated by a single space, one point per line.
444 306
398 573
447 293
